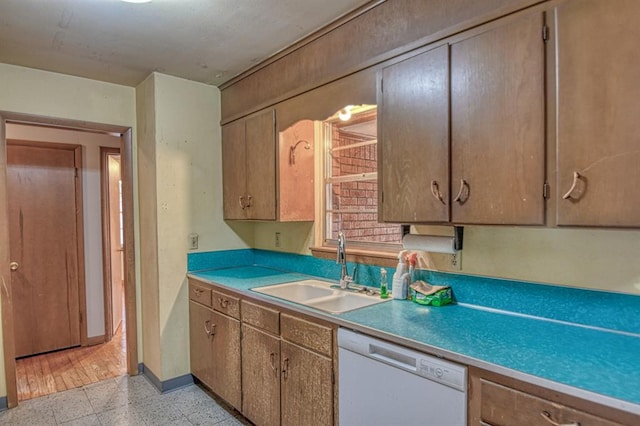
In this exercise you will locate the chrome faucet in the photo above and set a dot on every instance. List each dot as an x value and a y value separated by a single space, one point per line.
341 258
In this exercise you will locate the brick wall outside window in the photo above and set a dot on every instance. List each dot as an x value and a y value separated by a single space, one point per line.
360 195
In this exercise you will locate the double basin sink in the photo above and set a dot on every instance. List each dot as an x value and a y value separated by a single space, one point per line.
322 295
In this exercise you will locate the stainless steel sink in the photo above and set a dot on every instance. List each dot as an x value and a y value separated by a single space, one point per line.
321 295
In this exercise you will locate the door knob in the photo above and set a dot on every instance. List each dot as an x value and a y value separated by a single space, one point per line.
14 266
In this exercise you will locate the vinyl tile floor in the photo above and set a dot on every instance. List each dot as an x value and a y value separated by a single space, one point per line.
123 401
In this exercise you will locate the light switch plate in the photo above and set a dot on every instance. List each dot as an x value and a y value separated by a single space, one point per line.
193 241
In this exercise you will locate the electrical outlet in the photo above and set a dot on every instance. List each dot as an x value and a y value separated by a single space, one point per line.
193 241
455 261
277 242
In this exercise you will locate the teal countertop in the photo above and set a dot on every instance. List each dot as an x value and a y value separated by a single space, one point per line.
587 361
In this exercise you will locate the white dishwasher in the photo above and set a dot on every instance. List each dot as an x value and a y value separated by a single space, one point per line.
382 384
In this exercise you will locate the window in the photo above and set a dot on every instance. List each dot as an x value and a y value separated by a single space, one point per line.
350 187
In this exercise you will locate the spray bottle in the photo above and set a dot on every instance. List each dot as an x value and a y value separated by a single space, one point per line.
400 286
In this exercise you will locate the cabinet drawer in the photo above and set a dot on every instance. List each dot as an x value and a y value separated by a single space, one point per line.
310 335
261 317
226 304
200 293
503 406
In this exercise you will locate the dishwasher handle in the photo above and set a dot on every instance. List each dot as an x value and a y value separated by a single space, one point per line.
394 357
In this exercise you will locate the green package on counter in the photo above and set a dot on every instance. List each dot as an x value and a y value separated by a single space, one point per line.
426 294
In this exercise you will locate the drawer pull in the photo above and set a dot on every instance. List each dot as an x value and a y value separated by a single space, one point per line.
285 368
274 366
223 302
197 291
576 177
435 191
459 198
547 416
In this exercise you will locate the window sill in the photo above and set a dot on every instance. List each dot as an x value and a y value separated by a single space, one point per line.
387 258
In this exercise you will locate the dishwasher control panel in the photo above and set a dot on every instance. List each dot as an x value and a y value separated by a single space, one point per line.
441 371
427 366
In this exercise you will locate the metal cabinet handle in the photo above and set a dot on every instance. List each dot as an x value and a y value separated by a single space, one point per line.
274 366
14 266
576 177
207 330
547 416
435 191
197 291
223 302
285 368
249 200
463 184
242 204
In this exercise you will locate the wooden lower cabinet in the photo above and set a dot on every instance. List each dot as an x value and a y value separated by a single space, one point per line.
275 368
215 352
226 359
307 387
260 376
200 342
496 400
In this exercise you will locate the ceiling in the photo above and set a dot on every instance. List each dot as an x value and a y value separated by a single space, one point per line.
209 41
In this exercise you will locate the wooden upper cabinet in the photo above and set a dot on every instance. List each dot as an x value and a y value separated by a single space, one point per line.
413 115
249 167
598 97
233 170
260 141
498 125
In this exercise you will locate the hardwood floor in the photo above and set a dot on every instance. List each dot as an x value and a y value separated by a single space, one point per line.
71 368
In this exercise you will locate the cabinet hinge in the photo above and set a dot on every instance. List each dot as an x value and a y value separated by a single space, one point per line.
545 33
381 85
545 190
382 198
80 317
75 172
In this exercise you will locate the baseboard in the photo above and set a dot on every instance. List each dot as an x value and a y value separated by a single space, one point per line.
95 340
4 403
167 385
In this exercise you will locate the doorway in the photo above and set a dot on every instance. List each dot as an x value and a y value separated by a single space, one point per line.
129 326
112 240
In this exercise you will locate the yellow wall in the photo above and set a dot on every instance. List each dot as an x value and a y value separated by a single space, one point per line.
29 91
180 194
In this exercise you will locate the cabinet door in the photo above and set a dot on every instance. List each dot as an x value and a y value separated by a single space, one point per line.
414 145
200 342
598 110
233 170
307 388
260 377
261 166
497 125
225 335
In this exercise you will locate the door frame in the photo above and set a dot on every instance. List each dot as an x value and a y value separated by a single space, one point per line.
106 239
82 284
127 169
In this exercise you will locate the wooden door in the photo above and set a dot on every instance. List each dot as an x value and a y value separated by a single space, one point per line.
598 97
43 239
413 169
260 141
307 389
260 377
498 125
226 381
234 171
200 342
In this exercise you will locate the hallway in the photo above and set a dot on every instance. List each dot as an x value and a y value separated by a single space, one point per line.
71 368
